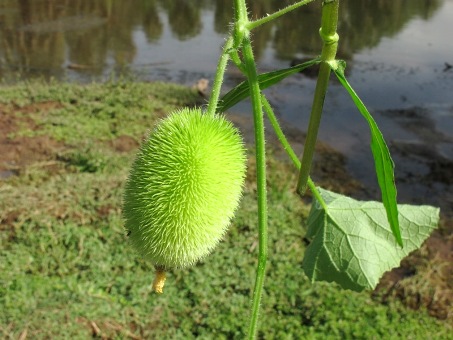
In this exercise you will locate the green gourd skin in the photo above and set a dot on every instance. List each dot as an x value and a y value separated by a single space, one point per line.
184 187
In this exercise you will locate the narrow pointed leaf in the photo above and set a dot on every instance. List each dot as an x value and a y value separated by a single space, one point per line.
382 160
352 243
241 91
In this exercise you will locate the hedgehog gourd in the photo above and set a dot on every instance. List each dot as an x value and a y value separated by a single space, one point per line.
184 187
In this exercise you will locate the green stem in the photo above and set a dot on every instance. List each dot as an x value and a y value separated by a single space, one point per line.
218 79
234 55
279 132
316 193
258 121
242 38
241 20
254 24
330 38
289 150
240 12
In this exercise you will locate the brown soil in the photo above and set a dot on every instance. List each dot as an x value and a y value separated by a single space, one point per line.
19 152
124 144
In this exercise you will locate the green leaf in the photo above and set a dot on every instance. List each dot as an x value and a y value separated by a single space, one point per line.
352 243
241 91
383 163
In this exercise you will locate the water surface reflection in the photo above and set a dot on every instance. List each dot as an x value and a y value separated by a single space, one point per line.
44 37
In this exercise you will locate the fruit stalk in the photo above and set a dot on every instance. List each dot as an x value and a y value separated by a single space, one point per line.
159 280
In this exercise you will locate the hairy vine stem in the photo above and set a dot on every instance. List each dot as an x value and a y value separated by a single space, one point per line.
220 71
242 39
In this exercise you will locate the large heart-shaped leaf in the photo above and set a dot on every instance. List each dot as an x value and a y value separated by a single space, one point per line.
352 242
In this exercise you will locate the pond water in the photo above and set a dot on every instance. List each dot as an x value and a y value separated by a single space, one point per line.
399 56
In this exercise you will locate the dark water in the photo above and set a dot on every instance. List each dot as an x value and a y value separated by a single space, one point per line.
398 55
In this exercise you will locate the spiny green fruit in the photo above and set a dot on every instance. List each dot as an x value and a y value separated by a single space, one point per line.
184 187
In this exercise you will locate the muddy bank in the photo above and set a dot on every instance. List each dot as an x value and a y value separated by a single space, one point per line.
424 175
424 163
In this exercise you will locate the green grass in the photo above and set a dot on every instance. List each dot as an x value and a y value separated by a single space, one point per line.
67 271
98 111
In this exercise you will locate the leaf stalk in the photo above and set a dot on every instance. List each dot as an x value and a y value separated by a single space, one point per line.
254 24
